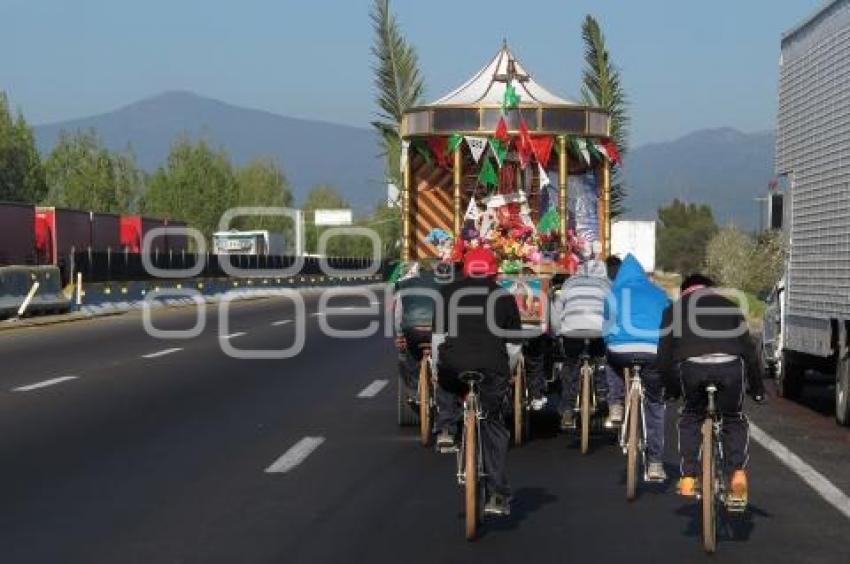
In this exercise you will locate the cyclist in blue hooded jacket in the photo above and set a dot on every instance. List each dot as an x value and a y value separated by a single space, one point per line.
633 318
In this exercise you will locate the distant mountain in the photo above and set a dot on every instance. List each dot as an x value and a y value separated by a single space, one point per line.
720 167
310 152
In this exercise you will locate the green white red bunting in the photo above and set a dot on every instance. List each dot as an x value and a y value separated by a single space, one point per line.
472 211
583 150
544 176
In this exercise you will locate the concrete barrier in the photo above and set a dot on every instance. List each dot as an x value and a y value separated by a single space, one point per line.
17 281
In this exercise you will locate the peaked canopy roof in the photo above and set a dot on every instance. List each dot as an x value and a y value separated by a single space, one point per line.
487 86
476 107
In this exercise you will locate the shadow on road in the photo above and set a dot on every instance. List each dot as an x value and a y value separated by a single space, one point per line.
731 527
525 502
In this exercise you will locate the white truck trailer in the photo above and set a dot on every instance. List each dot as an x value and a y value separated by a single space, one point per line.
813 156
258 242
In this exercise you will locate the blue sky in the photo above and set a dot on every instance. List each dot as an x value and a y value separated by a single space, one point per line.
686 64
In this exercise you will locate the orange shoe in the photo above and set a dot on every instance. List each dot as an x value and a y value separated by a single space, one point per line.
687 486
738 490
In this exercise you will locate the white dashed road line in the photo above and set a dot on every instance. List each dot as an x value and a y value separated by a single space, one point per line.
44 384
373 389
295 455
281 322
164 352
233 335
817 481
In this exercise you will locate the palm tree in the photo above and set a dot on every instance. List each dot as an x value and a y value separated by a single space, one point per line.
602 87
398 82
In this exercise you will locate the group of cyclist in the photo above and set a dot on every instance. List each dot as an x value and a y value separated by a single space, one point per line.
613 310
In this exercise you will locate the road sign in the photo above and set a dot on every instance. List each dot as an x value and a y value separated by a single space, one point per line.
333 217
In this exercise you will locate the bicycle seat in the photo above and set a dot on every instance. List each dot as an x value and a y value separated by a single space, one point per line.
471 377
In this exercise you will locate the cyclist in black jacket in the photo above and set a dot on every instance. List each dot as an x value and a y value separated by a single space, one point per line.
705 339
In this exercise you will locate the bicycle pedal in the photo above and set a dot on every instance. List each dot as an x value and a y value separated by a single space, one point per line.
448 450
736 505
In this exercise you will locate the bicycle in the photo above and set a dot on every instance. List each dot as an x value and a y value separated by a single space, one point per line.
470 457
426 396
587 395
713 491
632 435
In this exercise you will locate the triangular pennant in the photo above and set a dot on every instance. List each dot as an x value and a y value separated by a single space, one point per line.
542 145
591 148
488 175
472 211
476 145
549 222
600 148
613 152
438 146
502 130
454 142
422 149
524 146
544 176
579 147
511 99
500 150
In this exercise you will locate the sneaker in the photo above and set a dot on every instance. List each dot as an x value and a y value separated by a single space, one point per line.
568 420
539 403
446 441
498 504
655 472
687 486
738 489
615 416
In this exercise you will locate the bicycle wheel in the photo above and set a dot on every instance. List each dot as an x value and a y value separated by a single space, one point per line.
519 404
632 446
424 402
586 392
471 472
709 533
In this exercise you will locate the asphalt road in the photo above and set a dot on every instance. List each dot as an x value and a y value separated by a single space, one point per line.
117 448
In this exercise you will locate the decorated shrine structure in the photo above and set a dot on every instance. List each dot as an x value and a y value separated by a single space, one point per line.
491 163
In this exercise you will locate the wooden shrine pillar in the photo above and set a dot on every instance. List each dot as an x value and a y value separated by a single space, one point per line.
407 181
563 177
604 209
458 179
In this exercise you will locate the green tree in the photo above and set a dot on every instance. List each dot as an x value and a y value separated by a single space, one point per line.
684 232
398 82
737 260
386 222
82 173
603 88
262 183
196 184
21 172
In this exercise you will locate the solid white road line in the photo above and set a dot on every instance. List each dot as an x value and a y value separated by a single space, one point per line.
44 384
818 482
162 352
373 389
295 455
233 335
281 322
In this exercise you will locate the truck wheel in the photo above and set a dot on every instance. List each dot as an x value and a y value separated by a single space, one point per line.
842 391
789 377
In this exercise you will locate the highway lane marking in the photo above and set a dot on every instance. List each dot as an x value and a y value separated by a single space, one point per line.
373 389
295 455
163 352
281 322
44 384
233 335
817 481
